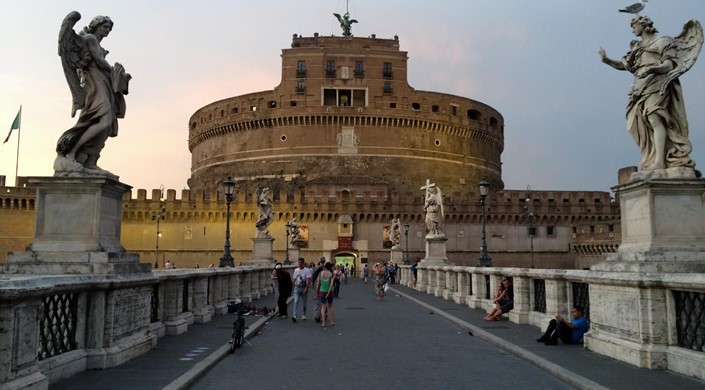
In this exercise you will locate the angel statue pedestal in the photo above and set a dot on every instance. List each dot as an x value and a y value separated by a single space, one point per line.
77 229
292 255
261 251
396 255
663 227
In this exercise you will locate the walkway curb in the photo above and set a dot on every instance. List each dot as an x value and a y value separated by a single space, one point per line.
559 372
189 377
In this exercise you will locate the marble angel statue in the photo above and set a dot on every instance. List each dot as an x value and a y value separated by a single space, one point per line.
434 212
656 111
266 216
395 233
98 90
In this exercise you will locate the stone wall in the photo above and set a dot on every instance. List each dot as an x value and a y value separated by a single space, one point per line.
194 229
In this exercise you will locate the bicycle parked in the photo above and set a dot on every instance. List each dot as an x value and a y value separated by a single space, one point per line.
238 326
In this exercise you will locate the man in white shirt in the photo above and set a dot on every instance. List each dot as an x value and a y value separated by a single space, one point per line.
302 281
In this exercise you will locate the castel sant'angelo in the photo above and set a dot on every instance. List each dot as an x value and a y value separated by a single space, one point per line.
345 143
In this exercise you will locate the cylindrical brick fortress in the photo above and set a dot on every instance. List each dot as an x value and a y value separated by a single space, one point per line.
343 109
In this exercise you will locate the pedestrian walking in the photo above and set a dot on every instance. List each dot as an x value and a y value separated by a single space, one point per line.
324 287
316 298
302 280
365 273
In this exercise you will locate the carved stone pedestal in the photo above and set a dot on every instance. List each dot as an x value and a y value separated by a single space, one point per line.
261 251
77 229
663 233
663 227
294 254
396 255
435 251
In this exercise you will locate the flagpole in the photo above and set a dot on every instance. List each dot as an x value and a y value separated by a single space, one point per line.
19 134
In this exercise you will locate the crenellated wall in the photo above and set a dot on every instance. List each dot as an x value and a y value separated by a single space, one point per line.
193 230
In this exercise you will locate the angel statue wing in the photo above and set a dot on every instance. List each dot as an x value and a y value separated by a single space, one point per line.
74 57
688 45
340 18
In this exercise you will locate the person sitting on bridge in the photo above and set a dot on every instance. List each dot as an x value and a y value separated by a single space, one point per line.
503 301
570 332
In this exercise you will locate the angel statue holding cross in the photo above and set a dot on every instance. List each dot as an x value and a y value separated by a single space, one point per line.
433 206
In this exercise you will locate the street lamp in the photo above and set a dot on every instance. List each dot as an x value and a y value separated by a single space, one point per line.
159 216
529 214
288 232
406 234
227 259
484 260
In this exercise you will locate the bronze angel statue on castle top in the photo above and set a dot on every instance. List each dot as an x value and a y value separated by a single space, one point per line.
98 90
656 111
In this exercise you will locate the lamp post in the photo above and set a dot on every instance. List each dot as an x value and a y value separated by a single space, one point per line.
288 232
227 259
406 234
159 216
529 214
484 260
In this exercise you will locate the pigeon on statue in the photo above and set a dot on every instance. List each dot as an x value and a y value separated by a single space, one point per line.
634 8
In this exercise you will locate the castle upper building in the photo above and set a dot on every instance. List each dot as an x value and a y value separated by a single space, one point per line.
345 113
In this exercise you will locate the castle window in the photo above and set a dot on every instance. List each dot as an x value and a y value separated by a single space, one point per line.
387 70
330 68
493 122
387 87
415 106
344 97
193 125
234 110
359 69
301 69
453 109
253 108
222 113
272 104
551 231
435 108
474 115
392 105
292 103
437 142
301 86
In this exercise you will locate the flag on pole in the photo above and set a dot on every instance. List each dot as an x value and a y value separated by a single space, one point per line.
15 125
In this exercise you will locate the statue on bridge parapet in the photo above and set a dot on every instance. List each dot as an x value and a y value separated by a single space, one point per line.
266 216
433 205
98 90
395 233
656 112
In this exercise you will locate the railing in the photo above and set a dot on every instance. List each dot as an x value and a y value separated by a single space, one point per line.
56 326
649 320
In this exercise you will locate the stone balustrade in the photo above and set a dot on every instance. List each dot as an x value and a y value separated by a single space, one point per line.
659 324
54 326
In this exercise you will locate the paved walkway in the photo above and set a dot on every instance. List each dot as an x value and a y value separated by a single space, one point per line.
410 340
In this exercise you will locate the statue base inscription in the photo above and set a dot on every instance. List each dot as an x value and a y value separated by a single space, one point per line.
78 222
663 227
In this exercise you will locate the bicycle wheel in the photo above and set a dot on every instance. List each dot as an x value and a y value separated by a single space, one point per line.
232 345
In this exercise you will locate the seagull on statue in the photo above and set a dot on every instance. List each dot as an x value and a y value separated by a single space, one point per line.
634 8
